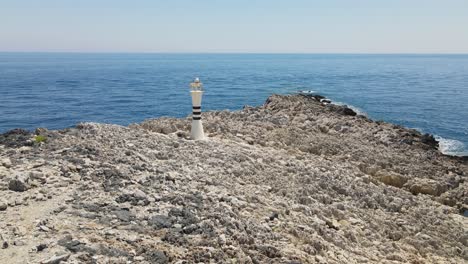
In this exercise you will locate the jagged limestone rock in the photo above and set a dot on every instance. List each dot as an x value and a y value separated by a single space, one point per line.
293 181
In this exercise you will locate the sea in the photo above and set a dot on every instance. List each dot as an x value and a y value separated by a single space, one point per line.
428 92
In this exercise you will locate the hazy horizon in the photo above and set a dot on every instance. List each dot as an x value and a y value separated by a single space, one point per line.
255 26
233 53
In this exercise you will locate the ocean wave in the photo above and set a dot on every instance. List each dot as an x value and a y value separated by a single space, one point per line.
451 146
306 92
447 146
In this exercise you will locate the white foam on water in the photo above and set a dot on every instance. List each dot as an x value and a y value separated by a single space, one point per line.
451 146
306 92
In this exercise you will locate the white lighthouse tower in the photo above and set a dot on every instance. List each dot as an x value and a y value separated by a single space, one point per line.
196 90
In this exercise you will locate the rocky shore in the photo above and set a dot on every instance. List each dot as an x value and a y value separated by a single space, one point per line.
297 180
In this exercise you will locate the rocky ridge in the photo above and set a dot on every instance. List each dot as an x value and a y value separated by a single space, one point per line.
297 180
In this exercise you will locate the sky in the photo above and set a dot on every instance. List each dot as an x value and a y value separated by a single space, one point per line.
245 26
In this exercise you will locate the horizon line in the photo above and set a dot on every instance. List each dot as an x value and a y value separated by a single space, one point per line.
240 52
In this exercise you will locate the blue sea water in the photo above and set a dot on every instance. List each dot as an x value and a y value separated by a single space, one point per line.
58 90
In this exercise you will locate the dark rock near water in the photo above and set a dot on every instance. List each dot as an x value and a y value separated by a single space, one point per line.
430 140
16 138
348 111
342 109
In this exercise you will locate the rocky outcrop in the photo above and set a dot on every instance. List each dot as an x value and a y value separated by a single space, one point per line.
426 186
396 180
16 138
429 140
297 180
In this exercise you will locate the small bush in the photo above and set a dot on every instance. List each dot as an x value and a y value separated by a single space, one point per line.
40 139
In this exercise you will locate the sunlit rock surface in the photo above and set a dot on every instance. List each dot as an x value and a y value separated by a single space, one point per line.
293 181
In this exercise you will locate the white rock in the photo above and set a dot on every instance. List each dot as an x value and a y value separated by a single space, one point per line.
6 162
3 205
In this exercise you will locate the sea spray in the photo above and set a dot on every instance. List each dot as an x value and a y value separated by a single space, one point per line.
451 146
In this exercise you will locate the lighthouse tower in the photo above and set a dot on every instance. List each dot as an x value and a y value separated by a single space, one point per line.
196 90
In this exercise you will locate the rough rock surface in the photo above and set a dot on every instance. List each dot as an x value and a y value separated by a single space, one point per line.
293 181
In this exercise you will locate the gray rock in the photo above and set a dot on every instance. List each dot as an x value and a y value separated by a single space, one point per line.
44 228
160 221
6 162
56 259
19 183
19 243
124 215
41 247
157 257
426 186
3 205
392 179
222 240
140 195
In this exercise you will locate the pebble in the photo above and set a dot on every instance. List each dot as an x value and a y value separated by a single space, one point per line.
6 162
44 228
222 239
19 243
56 259
3 205
76 177
139 194
40 197
41 247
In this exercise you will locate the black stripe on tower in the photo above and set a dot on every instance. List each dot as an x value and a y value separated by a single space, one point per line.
196 113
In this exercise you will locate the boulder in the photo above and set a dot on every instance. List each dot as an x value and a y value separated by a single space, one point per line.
3 205
160 221
348 111
140 195
429 139
19 183
342 109
6 162
426 186
56 259
157 257
392 179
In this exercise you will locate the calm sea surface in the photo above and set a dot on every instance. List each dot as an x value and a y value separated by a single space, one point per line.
58 90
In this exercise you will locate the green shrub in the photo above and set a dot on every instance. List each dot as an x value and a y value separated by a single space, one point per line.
40 138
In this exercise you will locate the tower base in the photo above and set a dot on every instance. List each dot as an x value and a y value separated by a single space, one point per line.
197 130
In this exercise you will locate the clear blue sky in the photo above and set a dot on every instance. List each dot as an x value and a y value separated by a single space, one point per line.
310 26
